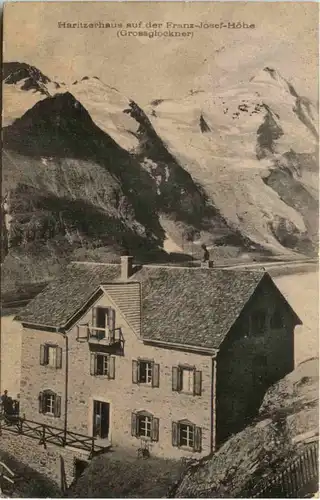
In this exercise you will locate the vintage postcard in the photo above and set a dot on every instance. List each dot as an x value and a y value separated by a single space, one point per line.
159 250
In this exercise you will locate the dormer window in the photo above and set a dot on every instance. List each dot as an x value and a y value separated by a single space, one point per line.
103 322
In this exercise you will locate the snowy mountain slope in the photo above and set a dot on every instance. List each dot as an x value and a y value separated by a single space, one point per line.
238 168
232 142
106 105
23 86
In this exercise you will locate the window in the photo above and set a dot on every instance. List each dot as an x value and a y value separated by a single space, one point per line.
277 320
102 365
187 435
51 355
258 322
187 379
145 372
50 403
144 425
103 322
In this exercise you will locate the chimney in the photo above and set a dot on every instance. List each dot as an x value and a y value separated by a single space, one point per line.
207 264
126 267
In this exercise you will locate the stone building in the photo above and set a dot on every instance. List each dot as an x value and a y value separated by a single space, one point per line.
168 359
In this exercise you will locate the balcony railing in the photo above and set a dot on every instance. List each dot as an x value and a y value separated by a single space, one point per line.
99 335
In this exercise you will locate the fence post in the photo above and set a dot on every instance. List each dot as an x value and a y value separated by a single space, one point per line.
63 479
43 439
314 460
92 446
289 482
304 468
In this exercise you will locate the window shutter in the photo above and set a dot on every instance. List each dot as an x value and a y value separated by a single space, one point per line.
135 367
197 385
155 429
41 402
42 354
134 422
111 321
93 363
57 406
59 357
175 378
111 367
175 434
155 375
197 439
94 316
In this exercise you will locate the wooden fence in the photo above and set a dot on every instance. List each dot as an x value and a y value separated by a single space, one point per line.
294 480
297 479
6 474
48 434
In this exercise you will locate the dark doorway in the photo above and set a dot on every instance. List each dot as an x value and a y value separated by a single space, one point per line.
101 419
79 467
101 317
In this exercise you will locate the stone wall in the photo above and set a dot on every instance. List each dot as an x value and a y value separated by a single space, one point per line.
10 355
36 378
45 461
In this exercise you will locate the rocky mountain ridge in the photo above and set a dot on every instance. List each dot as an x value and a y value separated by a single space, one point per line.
85 167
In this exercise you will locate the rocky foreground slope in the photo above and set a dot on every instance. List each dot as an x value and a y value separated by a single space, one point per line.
85 167
288 418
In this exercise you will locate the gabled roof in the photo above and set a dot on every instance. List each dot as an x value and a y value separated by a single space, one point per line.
180 305
193 306
64 297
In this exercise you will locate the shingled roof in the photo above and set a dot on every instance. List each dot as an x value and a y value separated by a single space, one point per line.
63 297
193 306
189 306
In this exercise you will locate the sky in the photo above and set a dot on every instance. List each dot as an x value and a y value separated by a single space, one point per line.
285 37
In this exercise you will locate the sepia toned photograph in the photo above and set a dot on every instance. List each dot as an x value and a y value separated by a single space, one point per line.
159 250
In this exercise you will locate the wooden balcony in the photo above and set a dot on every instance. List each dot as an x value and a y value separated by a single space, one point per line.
102 337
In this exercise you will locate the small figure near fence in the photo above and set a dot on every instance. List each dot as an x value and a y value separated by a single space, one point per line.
4 396
9 407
